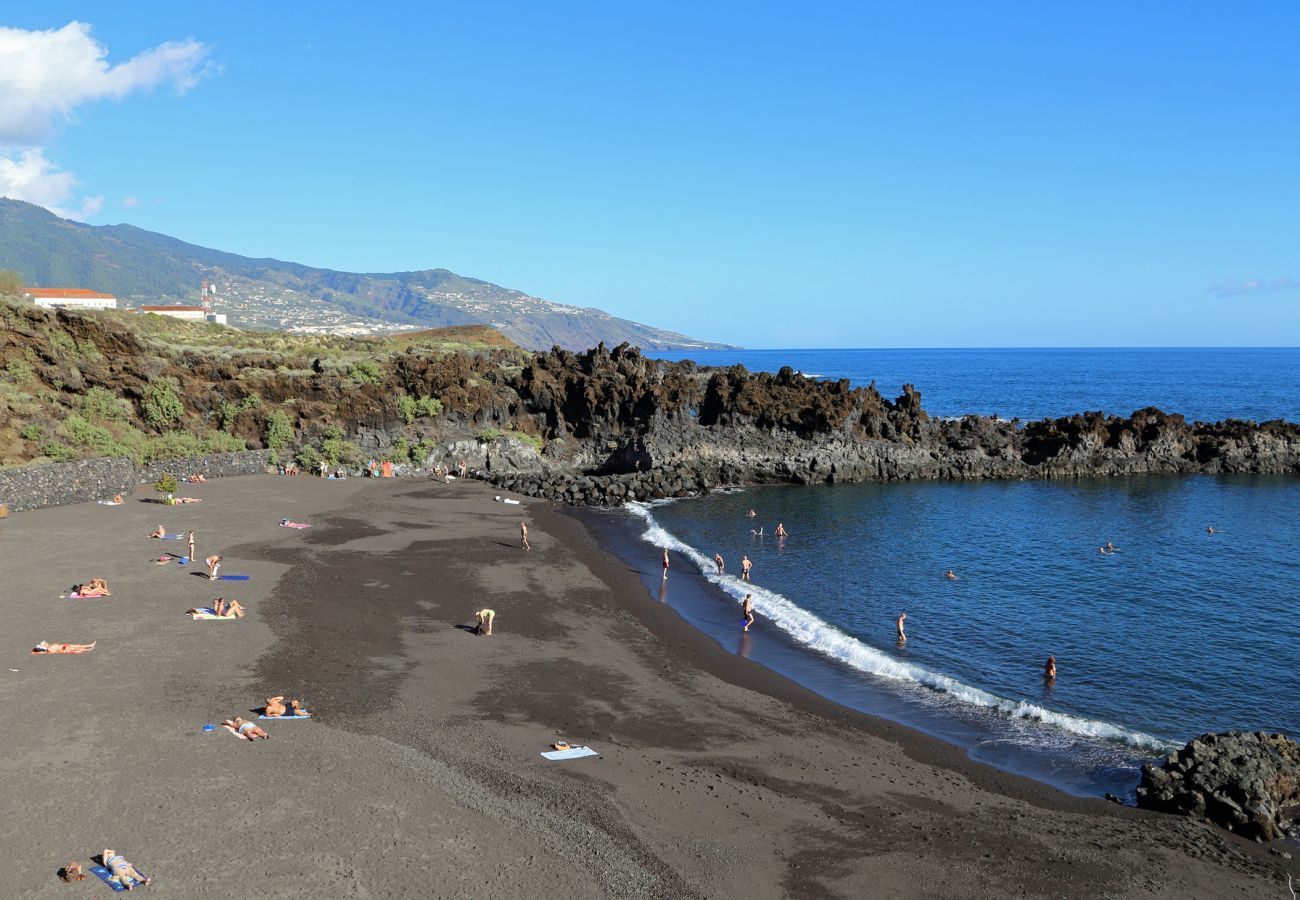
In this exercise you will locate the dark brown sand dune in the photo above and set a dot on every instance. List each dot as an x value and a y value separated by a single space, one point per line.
421 776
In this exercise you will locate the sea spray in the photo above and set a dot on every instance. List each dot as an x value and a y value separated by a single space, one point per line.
810 631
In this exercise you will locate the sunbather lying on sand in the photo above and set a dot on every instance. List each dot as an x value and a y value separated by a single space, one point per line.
227 609
198 478
47 647
241 727
96 587
125 873
72 872
188 500
275 707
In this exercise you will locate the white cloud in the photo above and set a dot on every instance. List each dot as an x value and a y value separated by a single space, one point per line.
1255 286
45 76
29 176
130 201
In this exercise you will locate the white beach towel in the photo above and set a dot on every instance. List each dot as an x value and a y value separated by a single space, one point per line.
571 753
506 500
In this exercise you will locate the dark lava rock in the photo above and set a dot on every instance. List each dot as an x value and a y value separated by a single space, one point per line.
1246 782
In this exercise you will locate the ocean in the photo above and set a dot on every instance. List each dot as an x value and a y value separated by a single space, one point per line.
1178 632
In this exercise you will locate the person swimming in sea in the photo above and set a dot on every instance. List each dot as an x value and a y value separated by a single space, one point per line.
1049 668
758 533
1110 548
1209 529
752 514
780 531
950 575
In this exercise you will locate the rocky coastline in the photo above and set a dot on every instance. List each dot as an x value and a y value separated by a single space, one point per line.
619 426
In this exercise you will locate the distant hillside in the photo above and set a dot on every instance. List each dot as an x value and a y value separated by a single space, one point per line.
142 266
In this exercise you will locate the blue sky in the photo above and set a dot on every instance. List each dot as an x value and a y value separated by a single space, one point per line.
806 175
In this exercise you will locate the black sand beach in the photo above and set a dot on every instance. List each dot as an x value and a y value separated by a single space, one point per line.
420 775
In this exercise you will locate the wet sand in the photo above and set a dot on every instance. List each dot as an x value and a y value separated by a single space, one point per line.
421 775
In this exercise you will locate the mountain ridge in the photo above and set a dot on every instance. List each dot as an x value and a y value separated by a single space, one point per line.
263 292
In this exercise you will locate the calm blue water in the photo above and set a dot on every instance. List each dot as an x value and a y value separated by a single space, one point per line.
1204 384
1177 633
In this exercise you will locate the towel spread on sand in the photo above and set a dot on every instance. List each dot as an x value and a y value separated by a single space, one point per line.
110 879
110 502
506 500
209 613
265 716
86 596
172 537
295 525
232 578
571 753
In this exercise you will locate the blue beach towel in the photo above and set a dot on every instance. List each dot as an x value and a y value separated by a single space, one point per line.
107 877
278 718
571 753
232 578
172 537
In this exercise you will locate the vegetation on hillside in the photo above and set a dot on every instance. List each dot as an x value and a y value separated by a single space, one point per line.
79 383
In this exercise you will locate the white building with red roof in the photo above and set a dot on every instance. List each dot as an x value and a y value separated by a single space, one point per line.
79 297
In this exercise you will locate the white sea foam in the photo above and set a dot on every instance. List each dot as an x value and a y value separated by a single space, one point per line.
811 631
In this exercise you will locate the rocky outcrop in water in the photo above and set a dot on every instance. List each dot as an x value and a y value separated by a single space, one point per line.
1246 782
623 426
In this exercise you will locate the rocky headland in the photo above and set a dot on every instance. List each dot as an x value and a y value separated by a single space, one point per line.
598 427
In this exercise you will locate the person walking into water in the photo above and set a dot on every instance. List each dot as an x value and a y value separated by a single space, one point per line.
749 611
745 566
902 635
665 563
523 536
1049 669
718 561
780 531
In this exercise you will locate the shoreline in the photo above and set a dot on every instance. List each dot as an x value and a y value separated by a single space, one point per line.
716 777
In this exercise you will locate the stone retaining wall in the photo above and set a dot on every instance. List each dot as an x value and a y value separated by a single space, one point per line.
59 484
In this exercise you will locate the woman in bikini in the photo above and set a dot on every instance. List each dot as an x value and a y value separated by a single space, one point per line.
126 874
245 729
95 587
47 647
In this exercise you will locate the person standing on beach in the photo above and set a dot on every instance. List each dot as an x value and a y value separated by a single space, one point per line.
191 553
718 561
665 563
902 635
523 536
749 611
214 567
745 566
485 618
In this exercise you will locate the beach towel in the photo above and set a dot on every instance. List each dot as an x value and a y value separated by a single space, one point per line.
506 500
295 525
231 577
109 878
275 718
172 537
87 596
110 502
209 613
571 753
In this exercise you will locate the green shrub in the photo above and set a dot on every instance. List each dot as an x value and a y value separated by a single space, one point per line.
90 351
100 405
420 452
20 371
488 435
366 371
337 451
166 483
227 412
173 444
309 458
161 404
406 408
428 407
531 439
83 434
252 401
279 430
63 342
34 432
59 451
221 442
